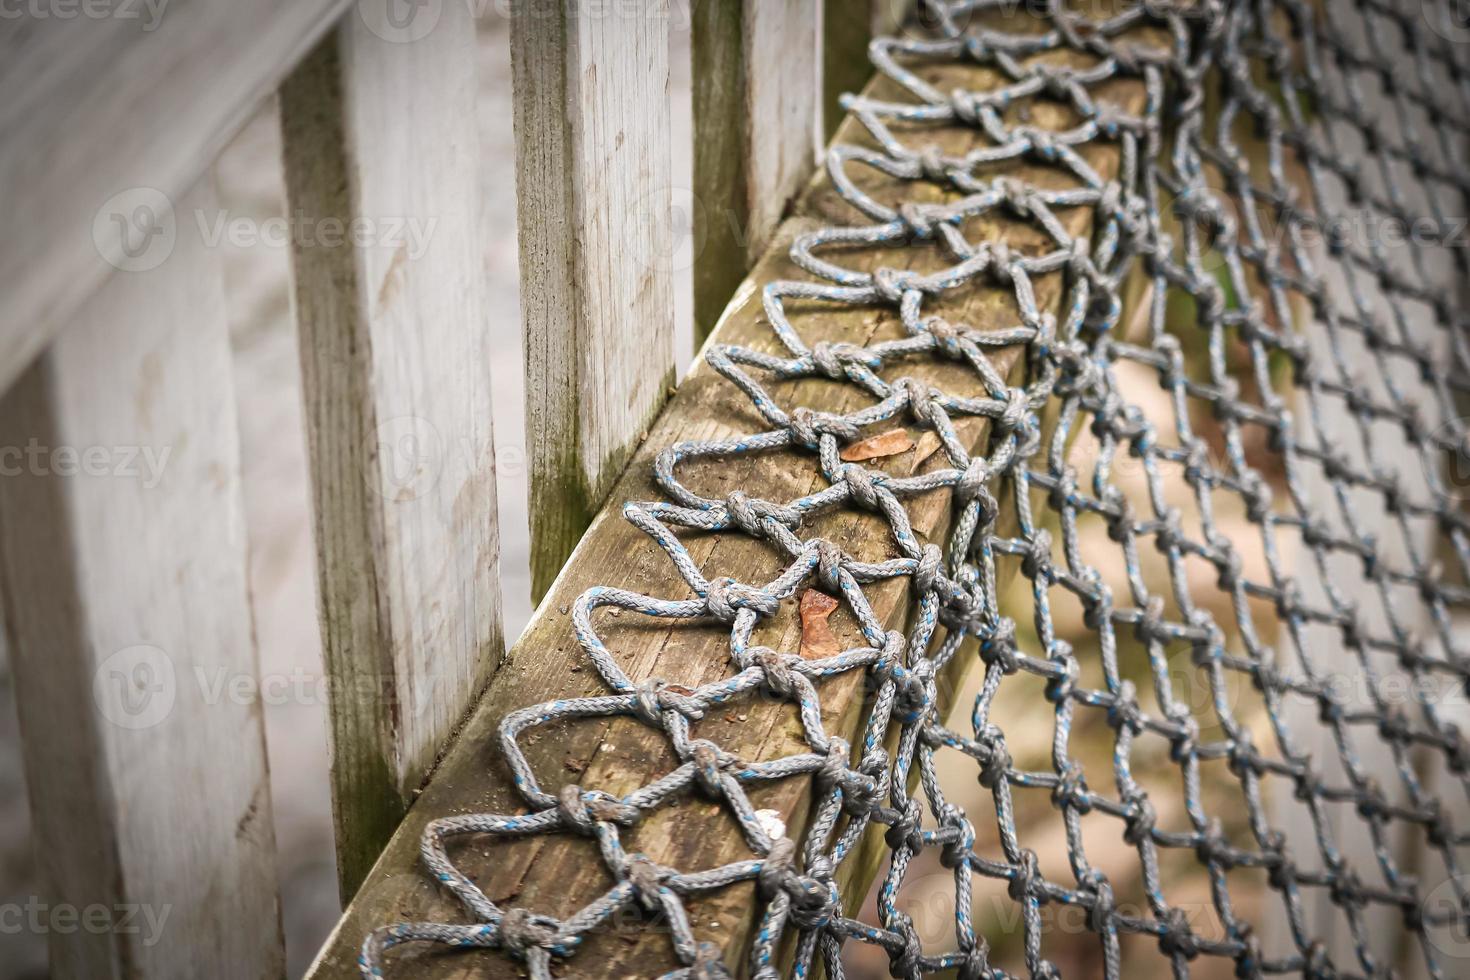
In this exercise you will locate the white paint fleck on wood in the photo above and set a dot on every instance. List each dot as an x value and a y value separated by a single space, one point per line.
380 134
122 552
594 192
94 107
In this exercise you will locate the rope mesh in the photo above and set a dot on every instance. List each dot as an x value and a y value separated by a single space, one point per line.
1214 552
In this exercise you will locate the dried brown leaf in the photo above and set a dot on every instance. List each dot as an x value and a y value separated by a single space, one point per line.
889 443
817 639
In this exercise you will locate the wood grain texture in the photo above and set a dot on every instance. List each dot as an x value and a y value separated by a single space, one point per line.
557 874
144 97
757 89
380 136
594 196
123 559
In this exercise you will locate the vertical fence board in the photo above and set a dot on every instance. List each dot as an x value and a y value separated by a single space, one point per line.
594 195
845 36
379 134
757 90
122 554
105 98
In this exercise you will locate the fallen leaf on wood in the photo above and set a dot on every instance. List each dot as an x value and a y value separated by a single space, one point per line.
817 640
889 443
929 444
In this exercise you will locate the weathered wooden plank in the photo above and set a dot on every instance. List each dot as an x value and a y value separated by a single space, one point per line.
556 874
114 98
379 136
122 555
594 192
757 88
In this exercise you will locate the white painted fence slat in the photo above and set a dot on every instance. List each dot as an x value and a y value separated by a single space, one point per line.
105 98
757 103
594 196
123 559
379 136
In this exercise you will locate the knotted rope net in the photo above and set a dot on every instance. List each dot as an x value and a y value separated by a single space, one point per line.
1210 563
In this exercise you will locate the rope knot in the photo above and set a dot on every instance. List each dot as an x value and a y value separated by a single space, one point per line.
1071 790
776 868
959 839
520 931
998 648
778 675
725 597
1178 939
997 762
1140 819
946 337
829 565
905 961
737 506
920 219
926 573
861 485
892 284
581 809
921 404
709 763
1036 562
647 880
1018 406
827 360
807 427
905 831
655 697
966 107
1026 878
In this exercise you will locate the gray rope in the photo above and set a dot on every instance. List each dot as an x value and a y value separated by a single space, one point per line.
1185 215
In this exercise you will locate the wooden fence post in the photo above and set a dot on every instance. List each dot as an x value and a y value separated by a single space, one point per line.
383 170
594 196
123 573
845 37
145 95
757 91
